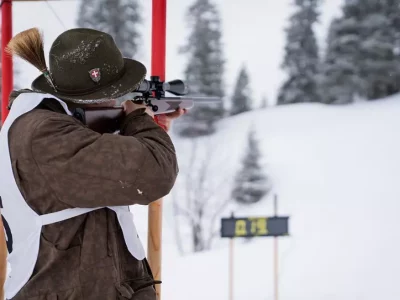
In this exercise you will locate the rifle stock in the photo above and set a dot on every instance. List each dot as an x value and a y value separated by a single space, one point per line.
101 119
108 119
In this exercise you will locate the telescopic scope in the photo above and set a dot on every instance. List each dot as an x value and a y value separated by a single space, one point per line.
176 87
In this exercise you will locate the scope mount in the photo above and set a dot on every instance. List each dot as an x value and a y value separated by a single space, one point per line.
155 91
157 87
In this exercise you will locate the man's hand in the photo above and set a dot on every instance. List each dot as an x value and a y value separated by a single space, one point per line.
165 120
129 106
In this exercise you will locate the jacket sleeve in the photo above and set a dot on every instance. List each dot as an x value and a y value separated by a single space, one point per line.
88 169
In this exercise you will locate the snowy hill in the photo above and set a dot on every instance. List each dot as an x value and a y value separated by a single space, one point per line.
337 173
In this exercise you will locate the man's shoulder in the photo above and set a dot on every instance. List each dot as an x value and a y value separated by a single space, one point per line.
41 119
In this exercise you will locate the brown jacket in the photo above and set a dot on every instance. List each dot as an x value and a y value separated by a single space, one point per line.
59 163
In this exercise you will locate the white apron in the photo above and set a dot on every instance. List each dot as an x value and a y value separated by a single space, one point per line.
22 225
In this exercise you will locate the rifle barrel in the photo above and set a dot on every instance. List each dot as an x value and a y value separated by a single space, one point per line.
194 99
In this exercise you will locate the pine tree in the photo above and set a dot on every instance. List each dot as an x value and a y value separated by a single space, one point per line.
341 82
241 98
301 58
251 184
119 18
205 68
361 59
380 66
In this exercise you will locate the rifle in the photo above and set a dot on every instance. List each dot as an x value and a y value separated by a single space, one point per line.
151 93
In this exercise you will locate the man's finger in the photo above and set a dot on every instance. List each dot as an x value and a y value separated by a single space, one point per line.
173 115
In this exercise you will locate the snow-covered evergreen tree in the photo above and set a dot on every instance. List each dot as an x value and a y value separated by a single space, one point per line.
205 68
301 56
119 18
341 82
251 184
362 58
379 64
241 98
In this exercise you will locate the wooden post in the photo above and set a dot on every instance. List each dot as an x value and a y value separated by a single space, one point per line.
154 241
276 258
231 263
154 237
231 246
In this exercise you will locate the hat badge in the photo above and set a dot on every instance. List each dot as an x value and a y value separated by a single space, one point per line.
95 74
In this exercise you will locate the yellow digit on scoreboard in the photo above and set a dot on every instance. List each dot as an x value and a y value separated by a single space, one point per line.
262 227
259 226
240 228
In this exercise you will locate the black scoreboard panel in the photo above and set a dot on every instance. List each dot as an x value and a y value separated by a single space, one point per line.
254 226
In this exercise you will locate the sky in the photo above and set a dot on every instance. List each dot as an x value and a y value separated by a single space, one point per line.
253 35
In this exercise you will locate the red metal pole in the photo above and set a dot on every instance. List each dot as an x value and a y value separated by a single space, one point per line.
6 60
7 83
154 236
158 38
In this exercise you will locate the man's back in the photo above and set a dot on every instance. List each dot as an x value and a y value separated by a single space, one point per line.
58 164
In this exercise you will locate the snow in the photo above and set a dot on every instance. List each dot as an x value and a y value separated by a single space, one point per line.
336 172
81 53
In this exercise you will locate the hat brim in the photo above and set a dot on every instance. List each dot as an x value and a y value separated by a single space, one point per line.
135 73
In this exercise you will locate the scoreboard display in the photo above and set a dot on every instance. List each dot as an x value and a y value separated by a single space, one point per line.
254 226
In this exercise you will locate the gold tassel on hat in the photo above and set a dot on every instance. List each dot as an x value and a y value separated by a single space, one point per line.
28 45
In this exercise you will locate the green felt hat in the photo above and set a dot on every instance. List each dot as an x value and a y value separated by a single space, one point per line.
86 66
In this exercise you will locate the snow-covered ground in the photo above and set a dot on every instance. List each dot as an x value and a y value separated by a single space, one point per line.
337 174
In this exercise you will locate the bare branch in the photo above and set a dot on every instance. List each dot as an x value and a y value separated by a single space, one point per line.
181 211
200 187
216 214
189 176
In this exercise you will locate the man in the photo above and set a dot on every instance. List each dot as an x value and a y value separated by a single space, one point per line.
66 189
